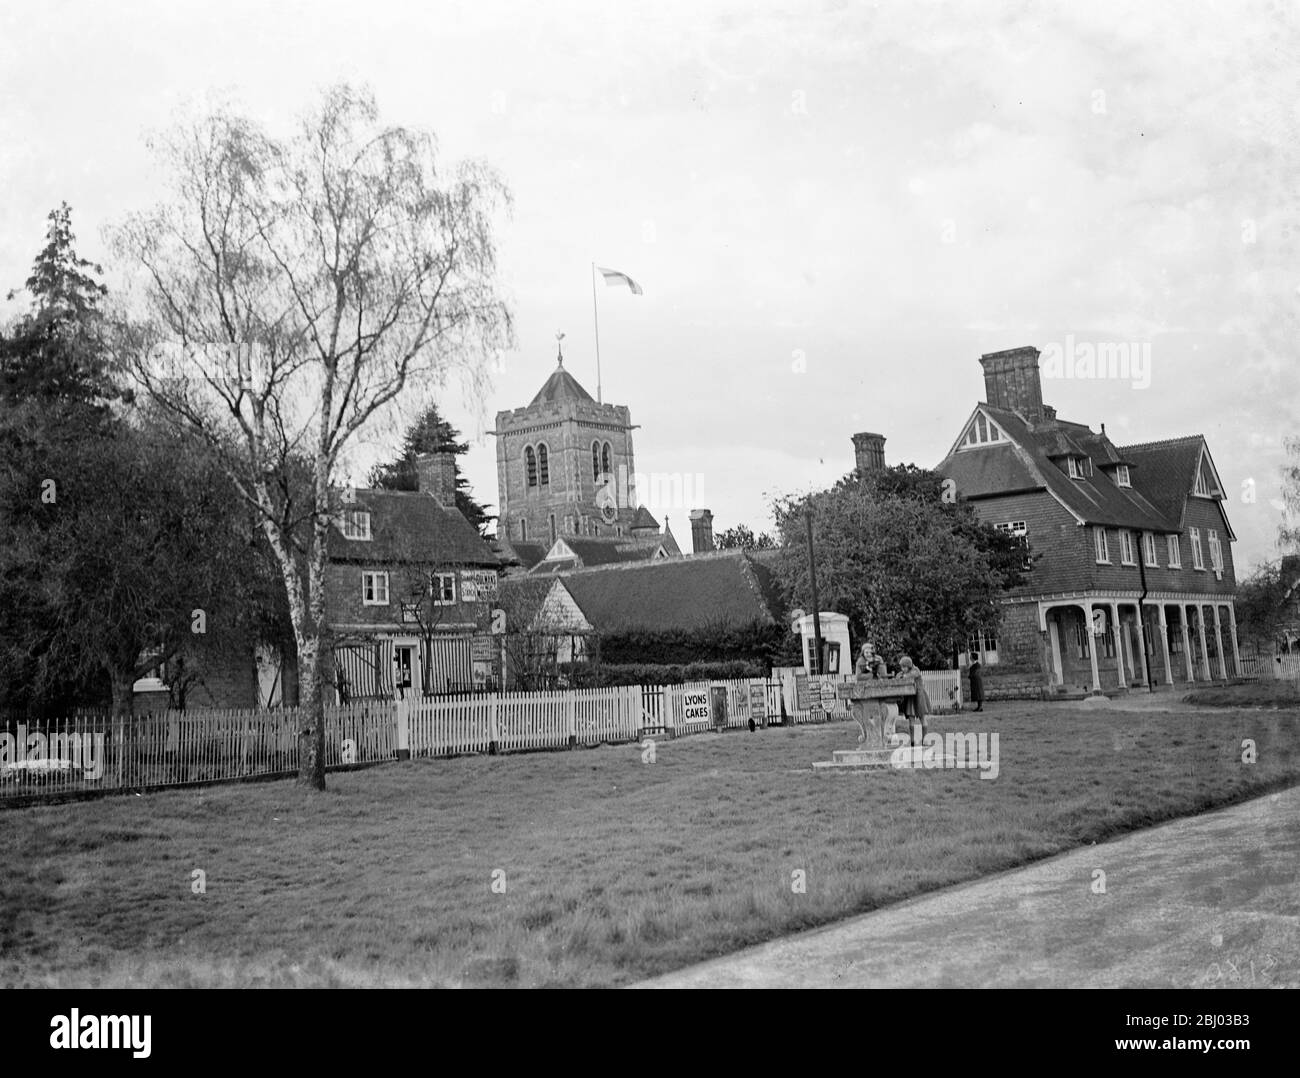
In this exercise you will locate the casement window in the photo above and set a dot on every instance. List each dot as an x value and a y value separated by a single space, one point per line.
1198 559
1127 553
1099 541
356 524
1202 485
1149 548
530 465
1175 553
374 589
1121 476
1216 551
442 586
984 645
1072 463
544 465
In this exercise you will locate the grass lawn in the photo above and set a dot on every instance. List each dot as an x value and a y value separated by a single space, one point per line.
1284 693
613 869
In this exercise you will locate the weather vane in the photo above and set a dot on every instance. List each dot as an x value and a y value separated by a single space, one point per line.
559 348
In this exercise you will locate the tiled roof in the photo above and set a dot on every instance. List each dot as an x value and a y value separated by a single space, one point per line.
601 550
525 552
411 526
1165 471
731 588
1029 464
643 518
561 385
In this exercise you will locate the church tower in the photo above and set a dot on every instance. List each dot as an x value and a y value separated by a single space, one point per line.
564 465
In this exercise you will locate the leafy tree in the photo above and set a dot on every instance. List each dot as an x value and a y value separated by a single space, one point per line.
55 354
1266 603
913 572
1289 530
430 433
123 554
297 288
742 537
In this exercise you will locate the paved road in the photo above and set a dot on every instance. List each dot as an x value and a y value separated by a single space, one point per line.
1210 901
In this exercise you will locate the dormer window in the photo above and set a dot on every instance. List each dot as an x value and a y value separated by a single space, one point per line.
356 524
1122 476
1079 467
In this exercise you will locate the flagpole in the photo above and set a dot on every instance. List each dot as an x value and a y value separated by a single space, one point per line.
595 317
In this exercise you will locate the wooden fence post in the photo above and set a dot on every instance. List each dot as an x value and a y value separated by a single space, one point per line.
494 734
570 717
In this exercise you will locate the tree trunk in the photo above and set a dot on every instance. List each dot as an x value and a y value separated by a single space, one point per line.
311 706
123 682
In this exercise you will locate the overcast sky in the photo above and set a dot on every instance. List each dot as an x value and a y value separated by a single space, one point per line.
833 208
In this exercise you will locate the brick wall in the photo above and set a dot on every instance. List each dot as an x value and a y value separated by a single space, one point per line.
344 600
1069 561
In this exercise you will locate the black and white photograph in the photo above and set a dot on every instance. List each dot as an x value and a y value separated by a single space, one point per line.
691 495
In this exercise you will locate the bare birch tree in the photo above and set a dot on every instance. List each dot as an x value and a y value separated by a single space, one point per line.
295 288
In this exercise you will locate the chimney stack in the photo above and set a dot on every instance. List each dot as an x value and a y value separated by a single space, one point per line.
437 476
701 531
1011 381
869 452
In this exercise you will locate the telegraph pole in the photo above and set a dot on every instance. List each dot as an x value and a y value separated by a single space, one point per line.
816 611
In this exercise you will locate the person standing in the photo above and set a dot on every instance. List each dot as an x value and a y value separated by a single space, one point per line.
915 707
976 682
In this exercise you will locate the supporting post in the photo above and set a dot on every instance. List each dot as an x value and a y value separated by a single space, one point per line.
1200 632
1232 628
1187 640
1092 644
1117 636
1218 644
1164 644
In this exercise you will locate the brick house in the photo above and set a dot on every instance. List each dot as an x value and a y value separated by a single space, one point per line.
1132 571
409 588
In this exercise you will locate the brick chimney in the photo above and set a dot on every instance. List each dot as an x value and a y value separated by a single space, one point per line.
1011 381
701 531
437 476
869 452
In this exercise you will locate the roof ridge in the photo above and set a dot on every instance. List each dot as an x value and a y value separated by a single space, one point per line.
1163 441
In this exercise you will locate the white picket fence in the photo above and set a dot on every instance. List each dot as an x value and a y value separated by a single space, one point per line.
209 745
1271 667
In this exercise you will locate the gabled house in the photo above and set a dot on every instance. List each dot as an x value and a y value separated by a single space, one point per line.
409 589
1131 576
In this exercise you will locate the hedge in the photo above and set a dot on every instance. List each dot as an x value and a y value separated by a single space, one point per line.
598 675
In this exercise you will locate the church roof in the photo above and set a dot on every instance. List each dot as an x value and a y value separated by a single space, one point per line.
643 518
561 385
